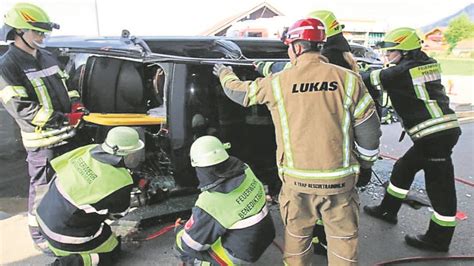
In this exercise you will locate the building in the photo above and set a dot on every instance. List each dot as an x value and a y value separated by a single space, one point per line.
434 40
260 11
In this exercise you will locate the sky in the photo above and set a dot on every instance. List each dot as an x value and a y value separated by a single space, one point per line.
187 17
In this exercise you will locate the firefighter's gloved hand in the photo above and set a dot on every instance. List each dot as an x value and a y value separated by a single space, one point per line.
218 69
364 177
74 118
260 67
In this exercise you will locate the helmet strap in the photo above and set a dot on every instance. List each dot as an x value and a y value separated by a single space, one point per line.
21 33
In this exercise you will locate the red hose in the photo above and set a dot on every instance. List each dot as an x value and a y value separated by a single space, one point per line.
419 259
461 180
160 232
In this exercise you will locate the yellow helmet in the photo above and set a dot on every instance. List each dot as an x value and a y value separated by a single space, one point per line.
404 39
332 26
26 16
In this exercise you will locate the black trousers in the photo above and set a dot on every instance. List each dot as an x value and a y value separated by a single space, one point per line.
433 156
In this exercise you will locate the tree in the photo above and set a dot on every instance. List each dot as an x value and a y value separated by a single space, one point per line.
459 29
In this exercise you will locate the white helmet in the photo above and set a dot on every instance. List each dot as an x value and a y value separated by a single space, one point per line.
207 151
122 141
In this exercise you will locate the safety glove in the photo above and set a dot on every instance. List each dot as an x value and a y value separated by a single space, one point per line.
364 177
263 68
218 69
77 112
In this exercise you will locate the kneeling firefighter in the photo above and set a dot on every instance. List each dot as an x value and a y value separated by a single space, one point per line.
230 224
91 184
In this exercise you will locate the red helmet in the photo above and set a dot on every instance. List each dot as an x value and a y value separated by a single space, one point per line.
308 29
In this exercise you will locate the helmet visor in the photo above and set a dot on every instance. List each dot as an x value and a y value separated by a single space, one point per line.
385 45
48 26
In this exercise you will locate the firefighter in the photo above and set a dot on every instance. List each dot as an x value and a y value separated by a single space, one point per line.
91 184
230 223
415 89
33 90
337 50
319 111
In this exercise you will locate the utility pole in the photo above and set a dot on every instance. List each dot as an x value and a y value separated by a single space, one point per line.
97 18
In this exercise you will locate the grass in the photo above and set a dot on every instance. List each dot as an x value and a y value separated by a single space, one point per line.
457 66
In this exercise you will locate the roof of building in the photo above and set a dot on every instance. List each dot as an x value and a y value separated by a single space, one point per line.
222 25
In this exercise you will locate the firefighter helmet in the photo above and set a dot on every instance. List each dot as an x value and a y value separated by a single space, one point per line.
404 39
332 26
26 16
207 151
308 29
122 141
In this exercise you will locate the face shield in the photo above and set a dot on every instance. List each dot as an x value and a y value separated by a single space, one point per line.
133 160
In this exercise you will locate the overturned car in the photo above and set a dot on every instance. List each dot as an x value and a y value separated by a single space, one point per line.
164 88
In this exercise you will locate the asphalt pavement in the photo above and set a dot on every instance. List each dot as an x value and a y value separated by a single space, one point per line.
378 241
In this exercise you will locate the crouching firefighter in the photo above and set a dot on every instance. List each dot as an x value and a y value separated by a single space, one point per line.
34 92
91 184
414 86
230 223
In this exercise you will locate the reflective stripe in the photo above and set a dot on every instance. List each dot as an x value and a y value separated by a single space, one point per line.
446 221
73 94
193 243
346 119
435 129
12 91
64 77
247 222
36 140
94 259
32 220
44 133
42 93
283 121
431 105
43 73
220 251
42 116
87 208
367 155
322 174
287 65
396 191
252 94
431 122
231 76
375 79
178 239
121 214
362 105
67 239
266 68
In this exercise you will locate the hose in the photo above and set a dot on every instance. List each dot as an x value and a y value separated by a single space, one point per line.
422 259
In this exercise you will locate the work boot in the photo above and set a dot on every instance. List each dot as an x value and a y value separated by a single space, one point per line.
423 242
378 212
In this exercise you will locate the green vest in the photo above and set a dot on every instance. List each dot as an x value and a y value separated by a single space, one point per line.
86 180
245 201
